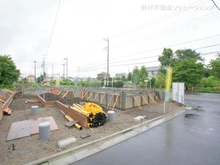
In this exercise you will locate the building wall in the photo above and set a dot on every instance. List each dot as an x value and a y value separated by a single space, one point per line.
30 79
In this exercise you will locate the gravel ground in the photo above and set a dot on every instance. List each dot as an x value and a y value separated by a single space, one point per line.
30 148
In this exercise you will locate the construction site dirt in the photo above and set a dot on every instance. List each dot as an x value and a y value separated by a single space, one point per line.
30 148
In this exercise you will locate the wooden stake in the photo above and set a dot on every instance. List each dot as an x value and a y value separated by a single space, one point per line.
115 103
95 97
82 94
74 94
85 94
137 102
151 98
102 99
156 97
145 100
110 102
65 94
89 96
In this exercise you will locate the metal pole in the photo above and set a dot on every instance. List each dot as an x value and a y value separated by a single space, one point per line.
66 67
164 107
63 71
35 71
52 71
43 70
107 60
108 63
112 81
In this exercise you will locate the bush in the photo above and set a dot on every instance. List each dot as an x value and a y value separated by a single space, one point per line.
209 90
118 84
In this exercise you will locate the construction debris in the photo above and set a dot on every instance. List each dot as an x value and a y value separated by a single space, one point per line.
83 136
6 111
71 121
32 101
65 142
94 113
29 127
54 91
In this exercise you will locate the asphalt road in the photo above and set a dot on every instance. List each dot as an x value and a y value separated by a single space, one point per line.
192 138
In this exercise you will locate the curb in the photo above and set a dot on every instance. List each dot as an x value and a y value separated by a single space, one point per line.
77 153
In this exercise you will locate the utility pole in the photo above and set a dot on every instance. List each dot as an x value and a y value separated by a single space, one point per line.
35 71
43 69
52 71
107 59
66 67
78 71
43 65
63 71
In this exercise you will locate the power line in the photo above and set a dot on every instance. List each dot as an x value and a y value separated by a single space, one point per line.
173 45
53 27
158 55
207 46
159 19
215 5
136 59
141 63
146 62
182 26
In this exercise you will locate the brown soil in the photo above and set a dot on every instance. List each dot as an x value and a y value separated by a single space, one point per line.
30 148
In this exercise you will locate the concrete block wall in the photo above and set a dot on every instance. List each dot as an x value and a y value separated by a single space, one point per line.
125 98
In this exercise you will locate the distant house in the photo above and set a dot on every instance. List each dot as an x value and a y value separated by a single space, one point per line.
102 75
120 75
48 78
153 71
84 79
30 78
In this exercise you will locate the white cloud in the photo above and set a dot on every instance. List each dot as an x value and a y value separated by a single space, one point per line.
26 26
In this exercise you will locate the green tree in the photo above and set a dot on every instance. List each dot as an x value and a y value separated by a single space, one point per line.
160 81
129 76
215 67
123 78
134 73
8 71
151 83
166 59
189 71
186 63
142 76
188 53
41 78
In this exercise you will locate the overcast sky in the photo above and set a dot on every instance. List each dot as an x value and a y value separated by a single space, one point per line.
138 30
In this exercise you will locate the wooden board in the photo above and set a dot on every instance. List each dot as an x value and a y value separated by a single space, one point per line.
19 129
35 124
29 127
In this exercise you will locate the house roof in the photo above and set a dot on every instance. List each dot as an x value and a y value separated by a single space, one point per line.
153 68
102 73
120 74
31 75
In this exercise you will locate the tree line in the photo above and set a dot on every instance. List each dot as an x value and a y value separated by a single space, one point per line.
188 67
